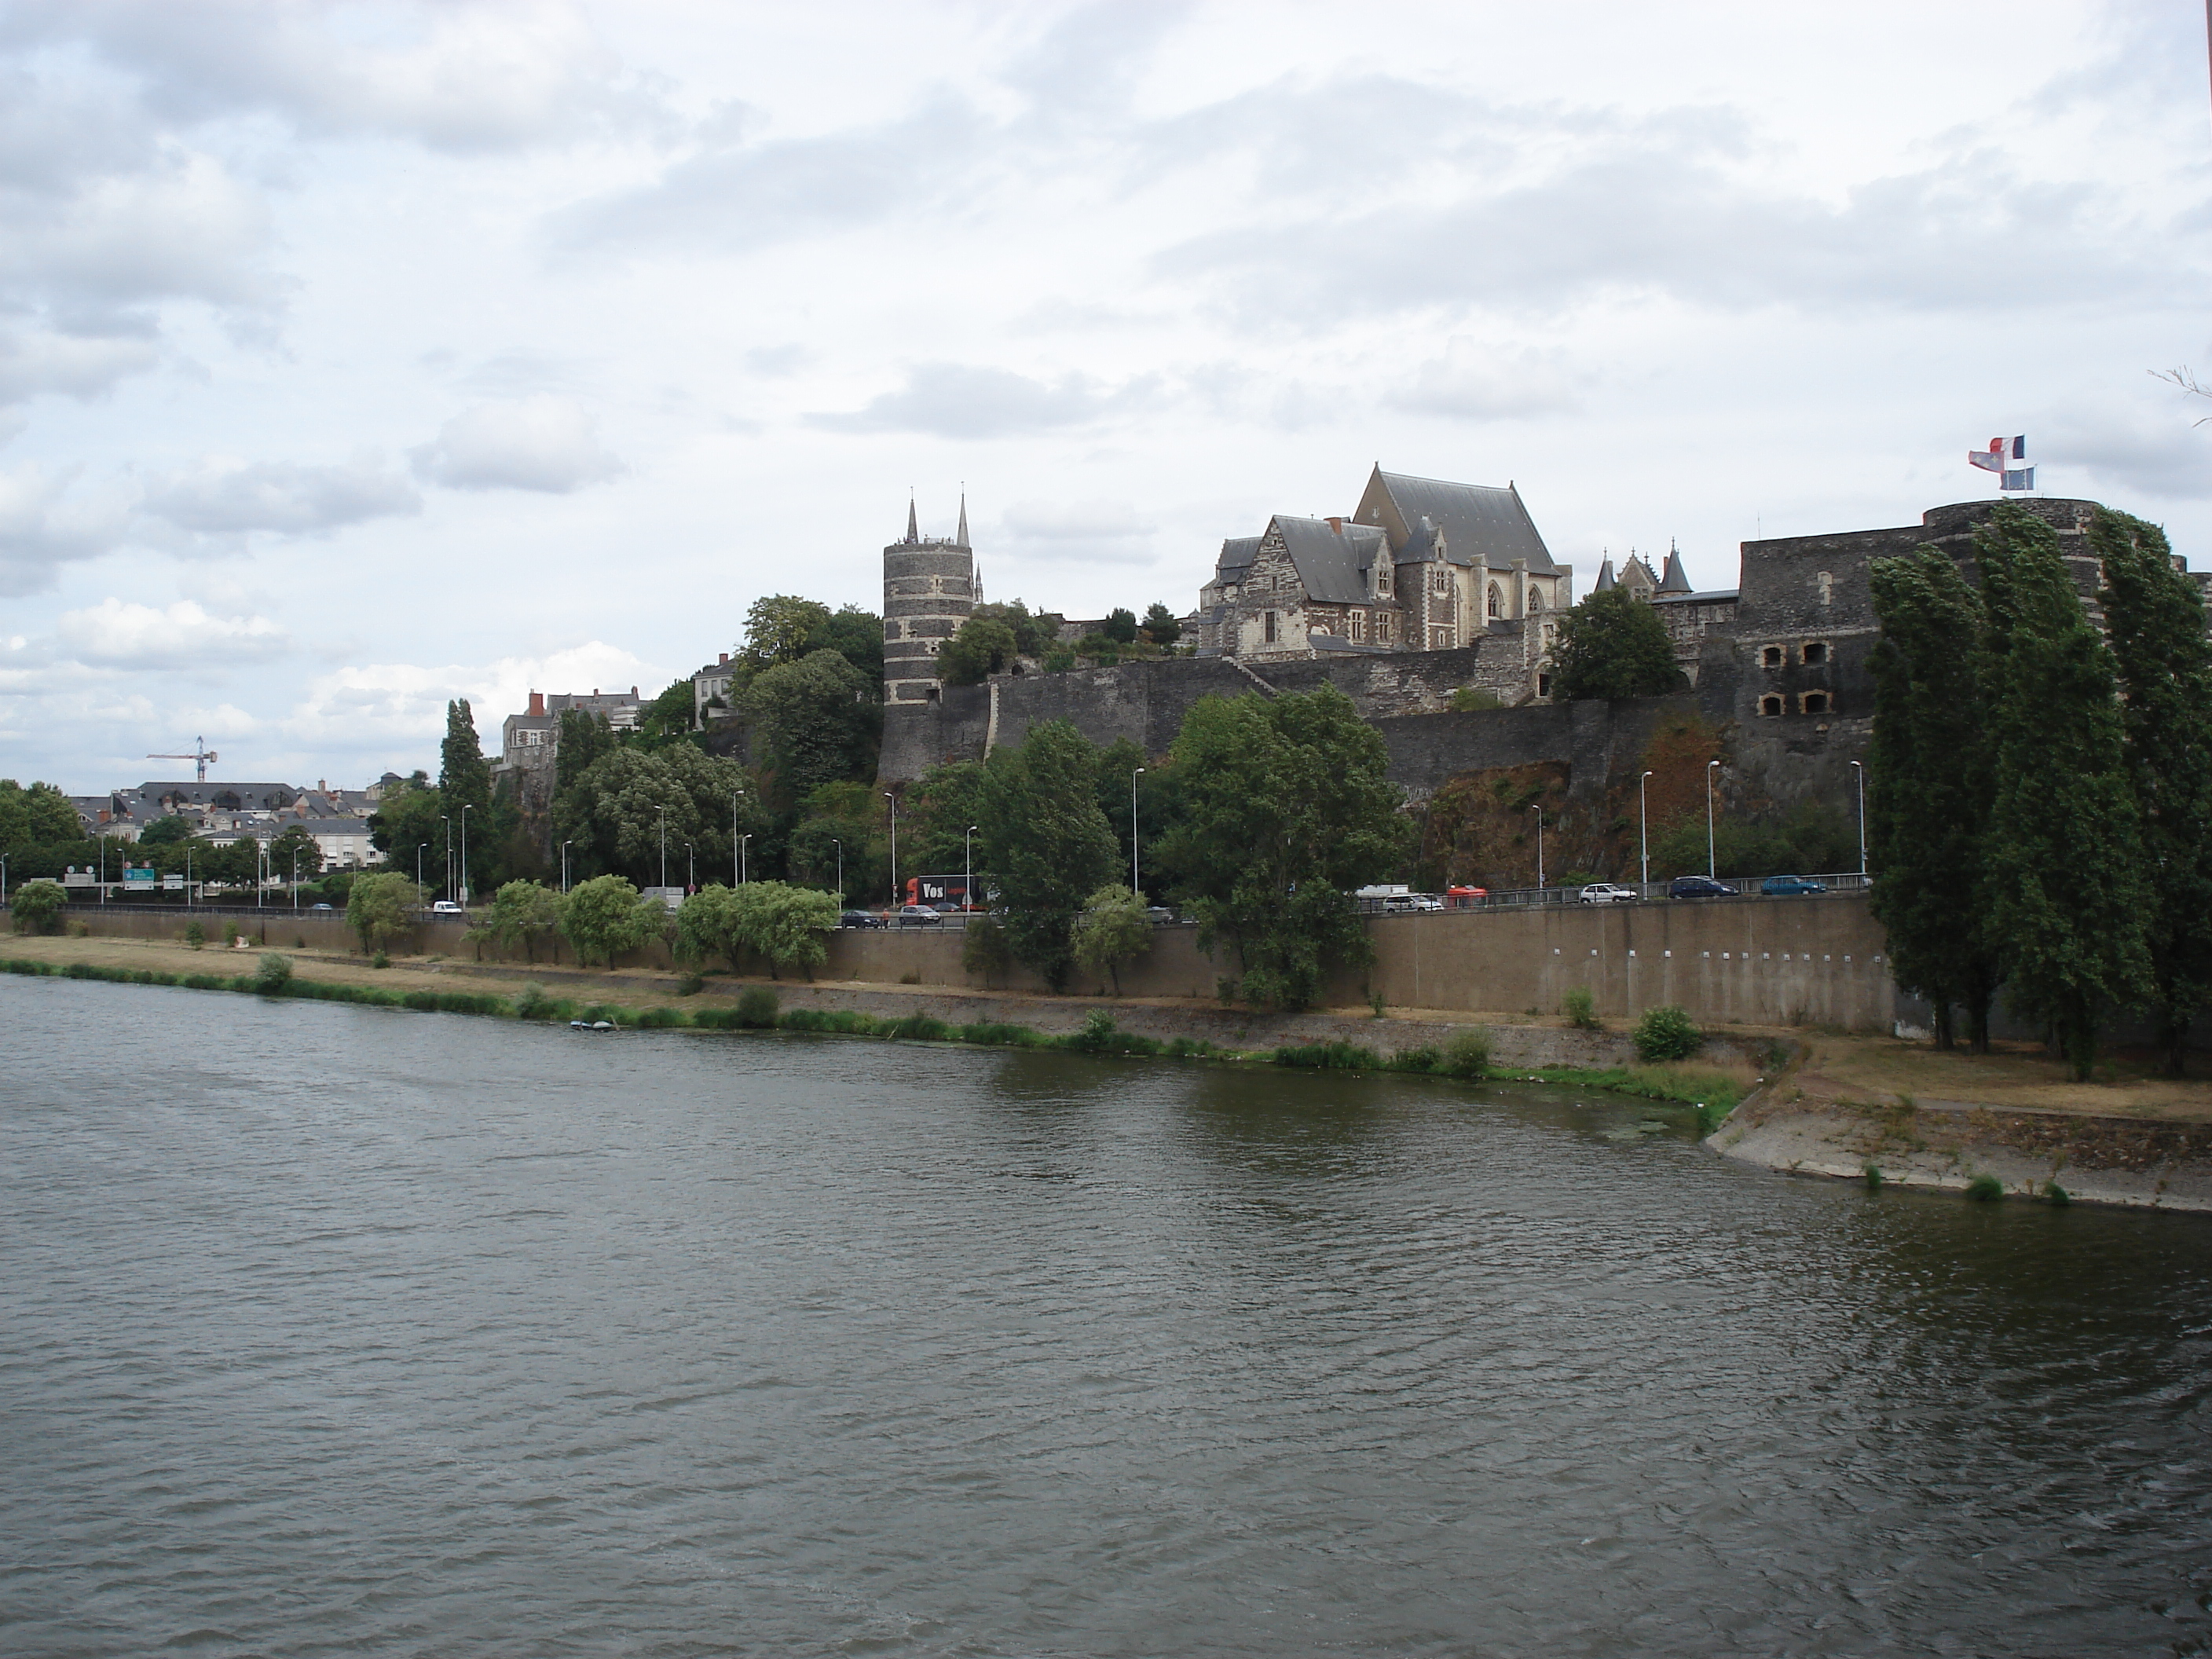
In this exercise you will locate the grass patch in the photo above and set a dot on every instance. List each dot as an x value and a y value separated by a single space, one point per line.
1329 1057
1985 1190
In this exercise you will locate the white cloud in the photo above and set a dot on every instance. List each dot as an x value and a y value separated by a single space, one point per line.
1086 532
1478 382
228 498
121 634
41 528
79 366
548 444
960 400
399 708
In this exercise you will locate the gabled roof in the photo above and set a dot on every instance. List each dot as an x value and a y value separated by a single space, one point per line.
1481 522
1331 565
1238 553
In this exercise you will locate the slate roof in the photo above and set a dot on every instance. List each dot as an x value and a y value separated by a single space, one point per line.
1331 567
1713 596
1605 579
1337 642
1677 580
1237 556
1476 518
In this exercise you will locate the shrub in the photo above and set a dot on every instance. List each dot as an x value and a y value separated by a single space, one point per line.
274 977
1667 1034
690 985
80 930
1581 1009
1189 1048
1415 1059
531 1003
195 935
1467 1054
37 907
2057 1193
1225 989
1985 1190
656 1019
379 960
841 1022
1873 1174
82 970
989 1034
1328 1057
985 949
229 934
916 1028
1374 1002
756 1008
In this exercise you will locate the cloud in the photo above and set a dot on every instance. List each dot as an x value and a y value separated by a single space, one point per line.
400 708
232 498
1086 532
959 400
545 443
116 633
40 530
1476 382
2162 455
80 366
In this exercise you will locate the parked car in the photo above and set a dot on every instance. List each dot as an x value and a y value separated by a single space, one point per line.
861 919
1466 898
1604 892
319 907
447 907
918 916
1698 887
1159 916
1782 886
1400 903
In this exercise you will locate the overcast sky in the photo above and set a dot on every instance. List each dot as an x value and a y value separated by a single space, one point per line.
356 357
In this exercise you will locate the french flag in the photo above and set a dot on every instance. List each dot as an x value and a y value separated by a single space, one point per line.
1993 460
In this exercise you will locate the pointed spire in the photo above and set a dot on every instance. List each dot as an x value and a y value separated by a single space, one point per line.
1677 580
960 540
913 530
1605 583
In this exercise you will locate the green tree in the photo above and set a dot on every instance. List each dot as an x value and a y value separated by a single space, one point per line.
381 909
1035 632
781 628
787 925
585 737
41 816
708 925
1613 645
1045 842
983 646
1286 806
294 849
856 635
1120 625
1113 929
2064 849
36 907
606 916
2155 619
616 813
164 831
1118 764
1161 625
818 720
842 825
409 820
935 813
1929 791
463 774
524 913
984 949
670 717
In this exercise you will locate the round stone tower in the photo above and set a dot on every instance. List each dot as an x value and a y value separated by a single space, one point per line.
929 590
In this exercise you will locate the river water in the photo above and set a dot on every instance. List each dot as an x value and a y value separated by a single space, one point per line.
335 1330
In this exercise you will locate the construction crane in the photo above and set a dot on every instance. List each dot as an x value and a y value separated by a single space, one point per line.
201 755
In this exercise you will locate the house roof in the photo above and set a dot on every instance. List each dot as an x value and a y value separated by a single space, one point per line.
1238 553
1713 595
1605 580
1331 563
1350 648
1677 580
1480 521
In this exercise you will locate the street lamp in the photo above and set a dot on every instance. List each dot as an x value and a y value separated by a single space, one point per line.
1858 776
1538 809
296 877
743 873
736 846
691 854
565 846
968 892
1643 829
466 808
893 799
1133 776
840 846
418 870
1712 863
446 880
663 811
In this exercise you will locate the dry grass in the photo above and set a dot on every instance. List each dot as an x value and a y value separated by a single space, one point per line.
2017 1077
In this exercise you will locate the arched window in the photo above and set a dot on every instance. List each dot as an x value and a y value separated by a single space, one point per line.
1497 602
1535 600
1816 702
1770 706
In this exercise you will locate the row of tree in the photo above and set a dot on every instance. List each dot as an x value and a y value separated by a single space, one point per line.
994 637
2039 804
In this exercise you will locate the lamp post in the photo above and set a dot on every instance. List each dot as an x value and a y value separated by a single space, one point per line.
893 799
1712 863
1643 829
295 878
968 891
691 856
565 846
260 871
663 811
736 846
1538 809
1858 777
418 870
744 870
1133 776
840 846
467 806
446 880
3 878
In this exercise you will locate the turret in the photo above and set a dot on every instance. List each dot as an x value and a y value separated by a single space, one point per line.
929 590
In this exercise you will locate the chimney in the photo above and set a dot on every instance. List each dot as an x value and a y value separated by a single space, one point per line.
322 786
633 691
595 690
1336 524
722 657
538 704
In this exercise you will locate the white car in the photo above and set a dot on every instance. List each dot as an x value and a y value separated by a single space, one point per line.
1604 892
447 907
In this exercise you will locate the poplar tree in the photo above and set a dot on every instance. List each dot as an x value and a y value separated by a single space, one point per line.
2155 622
1045 842
1928 790
463 774
2064 857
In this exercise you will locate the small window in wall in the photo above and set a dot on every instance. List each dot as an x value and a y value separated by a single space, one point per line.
1769 657
1536 599
1824 586
1815 702
1769 705
1383 629
1816 653
1439 580
1496 602
1267 624
1543 685
1359 626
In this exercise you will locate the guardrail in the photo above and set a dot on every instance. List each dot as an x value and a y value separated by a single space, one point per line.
1513 898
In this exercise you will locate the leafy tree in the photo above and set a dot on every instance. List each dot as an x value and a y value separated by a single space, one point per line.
1613 645
708 926
781 628
787 925
669 716
39 816
850 815
381 907
1928 789
935 813
1161 625
294 848
463 774
983 646
1045 841
606 916
856 635
585 737
1120 625
1112 929
165 832
819 719
1035 632
523 912
2064 850
1286 806
614 812
408 821
984 949
1117 769
36 907
2155 619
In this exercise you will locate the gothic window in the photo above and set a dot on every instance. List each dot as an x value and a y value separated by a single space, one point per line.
1815 702
1536 600
1496 602
1769 705
1770 657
